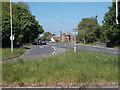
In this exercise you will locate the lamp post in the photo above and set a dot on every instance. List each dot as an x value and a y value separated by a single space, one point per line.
116 11
75 48
11 37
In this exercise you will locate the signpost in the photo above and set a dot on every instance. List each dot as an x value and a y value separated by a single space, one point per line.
75 48
11 37
118 11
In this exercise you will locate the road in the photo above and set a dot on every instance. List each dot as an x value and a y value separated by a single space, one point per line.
39 51
106 50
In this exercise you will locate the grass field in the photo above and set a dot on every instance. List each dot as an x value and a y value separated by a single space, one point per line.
6 53
82 68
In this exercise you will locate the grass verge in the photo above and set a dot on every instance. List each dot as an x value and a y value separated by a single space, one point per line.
6 53
82 68
88 43
27 44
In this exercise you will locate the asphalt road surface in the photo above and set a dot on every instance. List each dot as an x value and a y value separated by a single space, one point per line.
38 51
106 50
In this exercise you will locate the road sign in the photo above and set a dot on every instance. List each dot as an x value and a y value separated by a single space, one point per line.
12 38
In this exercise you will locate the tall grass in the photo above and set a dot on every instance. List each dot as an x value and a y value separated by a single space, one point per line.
6 53
82 68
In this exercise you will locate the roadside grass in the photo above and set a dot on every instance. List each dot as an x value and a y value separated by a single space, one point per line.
92 43
27 44
88 43
6 53
116 47
82 68
0 54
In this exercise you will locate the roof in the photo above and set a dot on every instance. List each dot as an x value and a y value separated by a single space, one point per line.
56 36
67 33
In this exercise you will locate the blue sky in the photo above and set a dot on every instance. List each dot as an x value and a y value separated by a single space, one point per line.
64 16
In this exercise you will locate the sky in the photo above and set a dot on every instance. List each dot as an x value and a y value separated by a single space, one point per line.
61 0
65 16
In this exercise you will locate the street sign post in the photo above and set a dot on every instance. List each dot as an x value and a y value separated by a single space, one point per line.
75 48
118 11
12 37
11 26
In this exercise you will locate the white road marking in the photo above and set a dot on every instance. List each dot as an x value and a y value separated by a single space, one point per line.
54 50
41 46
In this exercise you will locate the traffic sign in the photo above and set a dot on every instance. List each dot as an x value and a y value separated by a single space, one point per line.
12 38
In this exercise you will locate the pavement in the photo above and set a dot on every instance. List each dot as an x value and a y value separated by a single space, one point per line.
39 51
110 51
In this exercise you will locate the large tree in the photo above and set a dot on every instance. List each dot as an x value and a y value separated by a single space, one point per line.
111 31
25 26
89 30
46 36
23 4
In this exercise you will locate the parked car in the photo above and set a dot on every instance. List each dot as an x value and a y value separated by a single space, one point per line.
41 42
47 41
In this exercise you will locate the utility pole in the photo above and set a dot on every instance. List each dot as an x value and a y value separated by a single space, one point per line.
75 48
11 26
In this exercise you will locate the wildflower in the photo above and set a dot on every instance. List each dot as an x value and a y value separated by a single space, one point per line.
31 69
105 59
96 57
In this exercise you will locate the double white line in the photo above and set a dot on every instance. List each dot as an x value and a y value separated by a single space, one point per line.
54 50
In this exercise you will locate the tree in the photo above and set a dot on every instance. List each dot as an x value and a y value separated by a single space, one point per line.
89 30
46 36
110 30
25 27
24 5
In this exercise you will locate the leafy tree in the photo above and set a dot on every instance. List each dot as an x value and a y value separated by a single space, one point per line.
110 30
25 27
89 30
24 5
0 22
46 36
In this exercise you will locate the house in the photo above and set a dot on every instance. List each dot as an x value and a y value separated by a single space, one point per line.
55 39
64 37
52 39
